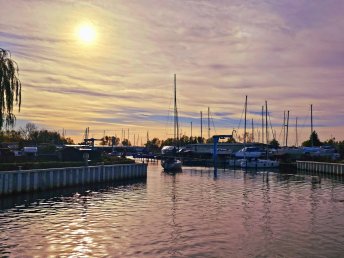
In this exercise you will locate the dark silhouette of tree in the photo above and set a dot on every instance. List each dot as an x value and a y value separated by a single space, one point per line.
10 89
274 143
153 145
231 140
126 142
313 140
210 140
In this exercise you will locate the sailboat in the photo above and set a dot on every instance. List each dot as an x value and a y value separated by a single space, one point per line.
169 161
261 163
241 155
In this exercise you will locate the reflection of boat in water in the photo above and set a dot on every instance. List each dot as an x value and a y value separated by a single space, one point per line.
259 163
254 163
171 164
235 162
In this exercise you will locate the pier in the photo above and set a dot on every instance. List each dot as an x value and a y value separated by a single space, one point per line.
328 168
20 181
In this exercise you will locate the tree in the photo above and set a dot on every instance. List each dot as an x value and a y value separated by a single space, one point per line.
28 131
126 142
274 143
10 89
231 140
153 145
313 140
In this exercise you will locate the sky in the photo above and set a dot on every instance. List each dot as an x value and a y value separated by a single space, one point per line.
286 52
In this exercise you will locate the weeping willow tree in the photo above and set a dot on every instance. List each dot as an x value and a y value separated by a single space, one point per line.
10 89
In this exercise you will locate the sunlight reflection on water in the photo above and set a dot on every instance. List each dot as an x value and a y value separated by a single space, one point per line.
189 214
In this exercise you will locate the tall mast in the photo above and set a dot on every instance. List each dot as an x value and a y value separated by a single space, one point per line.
176 124
312 124
245 120
191 129
266 122
297 140
201 126
262 124
284 129
286 137
252 131
266 127
208 122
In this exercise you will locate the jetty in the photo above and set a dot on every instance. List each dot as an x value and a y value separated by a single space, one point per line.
20 181
324 167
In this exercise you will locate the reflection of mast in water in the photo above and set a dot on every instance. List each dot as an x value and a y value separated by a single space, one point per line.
314 206
267 206
246 207
175 228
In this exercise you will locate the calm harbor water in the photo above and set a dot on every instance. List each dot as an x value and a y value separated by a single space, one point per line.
190 214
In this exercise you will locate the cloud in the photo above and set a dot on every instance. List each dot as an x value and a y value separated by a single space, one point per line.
286 52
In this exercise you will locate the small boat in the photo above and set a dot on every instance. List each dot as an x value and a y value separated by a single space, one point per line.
168 159
171 164
259 163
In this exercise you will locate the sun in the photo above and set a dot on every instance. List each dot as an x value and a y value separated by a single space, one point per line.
86 33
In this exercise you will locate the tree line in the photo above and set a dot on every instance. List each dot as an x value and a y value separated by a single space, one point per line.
31 135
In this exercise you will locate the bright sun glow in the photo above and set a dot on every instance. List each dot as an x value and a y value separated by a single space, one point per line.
86 33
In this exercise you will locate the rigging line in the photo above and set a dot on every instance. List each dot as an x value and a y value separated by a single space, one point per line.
273 134
212 119
179 121
168 117
279 137
242 113
301 132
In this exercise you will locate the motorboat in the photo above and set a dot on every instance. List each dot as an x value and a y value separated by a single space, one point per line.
171 164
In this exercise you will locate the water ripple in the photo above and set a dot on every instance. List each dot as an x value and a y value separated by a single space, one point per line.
191 214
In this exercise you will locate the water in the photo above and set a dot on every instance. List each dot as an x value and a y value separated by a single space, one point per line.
190 214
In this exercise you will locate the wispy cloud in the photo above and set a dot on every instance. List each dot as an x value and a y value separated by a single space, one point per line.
287 52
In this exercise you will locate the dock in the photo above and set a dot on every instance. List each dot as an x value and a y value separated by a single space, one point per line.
323 167
20 181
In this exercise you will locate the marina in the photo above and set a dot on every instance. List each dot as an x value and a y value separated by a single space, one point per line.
236 214
102 155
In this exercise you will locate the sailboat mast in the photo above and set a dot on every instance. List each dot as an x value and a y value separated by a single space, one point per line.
312 124
262 124
191 129
252 137
266 127
266 122
208 122
286 139
245 120
201 126
176 124
297 140
284 129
